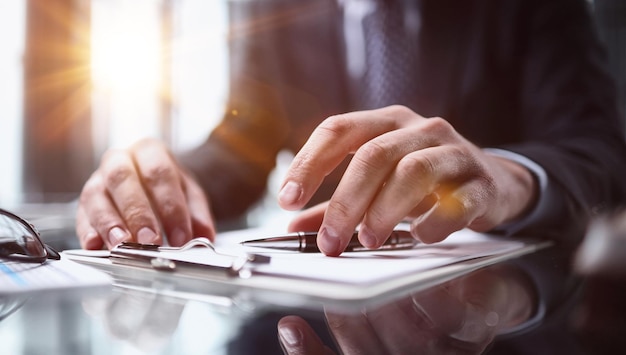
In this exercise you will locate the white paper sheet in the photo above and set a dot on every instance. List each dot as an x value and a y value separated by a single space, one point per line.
367 267
349 268
19 277
351 280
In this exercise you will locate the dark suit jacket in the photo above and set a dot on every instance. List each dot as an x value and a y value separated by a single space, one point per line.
523 75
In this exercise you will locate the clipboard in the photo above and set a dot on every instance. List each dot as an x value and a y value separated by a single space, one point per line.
280 279
170 259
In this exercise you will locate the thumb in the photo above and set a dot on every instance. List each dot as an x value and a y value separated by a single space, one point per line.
309 220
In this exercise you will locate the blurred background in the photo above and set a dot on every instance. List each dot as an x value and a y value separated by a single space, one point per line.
80 76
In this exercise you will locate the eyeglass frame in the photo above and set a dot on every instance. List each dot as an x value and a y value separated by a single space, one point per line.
49 251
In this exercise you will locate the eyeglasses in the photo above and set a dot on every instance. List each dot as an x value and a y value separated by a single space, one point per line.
20 241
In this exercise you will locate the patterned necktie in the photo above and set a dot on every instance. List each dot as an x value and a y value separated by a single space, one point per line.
390 48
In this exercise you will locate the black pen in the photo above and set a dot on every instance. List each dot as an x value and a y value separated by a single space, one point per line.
306 242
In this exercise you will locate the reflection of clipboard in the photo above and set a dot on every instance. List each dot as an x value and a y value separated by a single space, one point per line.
348 282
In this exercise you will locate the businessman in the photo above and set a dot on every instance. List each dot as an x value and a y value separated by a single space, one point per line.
497 115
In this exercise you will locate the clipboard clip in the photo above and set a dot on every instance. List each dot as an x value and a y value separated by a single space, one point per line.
144 254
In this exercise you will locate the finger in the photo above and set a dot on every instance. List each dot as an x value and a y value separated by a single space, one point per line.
333 140
309 219
454 211
415 177
201 218
364 178
129 197
163 183
87 235
97 211
161 179
369 171
296 337
365 175
424 206
354 334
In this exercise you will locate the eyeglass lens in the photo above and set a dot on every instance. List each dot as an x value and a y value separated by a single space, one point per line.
18 241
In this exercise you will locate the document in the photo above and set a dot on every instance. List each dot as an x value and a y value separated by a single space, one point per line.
18 278
284 277
371 266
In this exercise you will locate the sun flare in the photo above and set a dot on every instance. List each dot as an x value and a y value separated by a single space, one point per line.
127 48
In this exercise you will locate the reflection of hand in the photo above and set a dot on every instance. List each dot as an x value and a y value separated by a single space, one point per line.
462 316
135 191
145 320
403 165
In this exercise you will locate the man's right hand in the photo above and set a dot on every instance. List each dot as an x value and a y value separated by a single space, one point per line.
141 194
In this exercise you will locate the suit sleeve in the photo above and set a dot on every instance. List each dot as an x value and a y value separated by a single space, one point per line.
282 54
233 164
569 102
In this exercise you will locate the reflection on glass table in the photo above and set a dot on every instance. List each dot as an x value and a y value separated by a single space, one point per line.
122 321
492 310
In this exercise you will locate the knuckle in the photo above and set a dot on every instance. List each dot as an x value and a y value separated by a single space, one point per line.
103 223
417 168
117 175
489 185
170 207
157 173
336 126
339 210
416 164
438 127
375 154
402 115
135 215
92 186
400 110
303 161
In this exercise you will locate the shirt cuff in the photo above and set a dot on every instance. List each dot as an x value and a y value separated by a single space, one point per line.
546 192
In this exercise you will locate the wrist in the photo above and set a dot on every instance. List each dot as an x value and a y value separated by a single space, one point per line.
521 188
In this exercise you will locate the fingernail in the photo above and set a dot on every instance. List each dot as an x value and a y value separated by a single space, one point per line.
117 235
367 238
177 237
290 335
290 193
328 241
146 236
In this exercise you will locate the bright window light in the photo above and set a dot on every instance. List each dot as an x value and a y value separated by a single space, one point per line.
126 58
147 83
126 45
12 21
